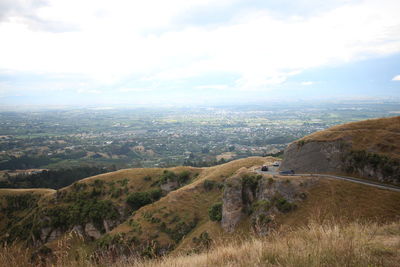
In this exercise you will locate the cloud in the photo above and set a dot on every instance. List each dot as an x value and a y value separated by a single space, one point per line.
154 42
396 78
126 90
89 91
213 86
28 13
307 83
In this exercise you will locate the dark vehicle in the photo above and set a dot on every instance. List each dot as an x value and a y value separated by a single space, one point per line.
291 172
264 168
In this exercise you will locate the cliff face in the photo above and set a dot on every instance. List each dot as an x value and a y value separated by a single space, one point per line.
260 199
369 149
315 157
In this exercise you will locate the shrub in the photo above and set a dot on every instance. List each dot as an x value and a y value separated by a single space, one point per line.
215 212
263 205
180 230
168 176
285 206
208 185
183 177
251 181
139 199
155 194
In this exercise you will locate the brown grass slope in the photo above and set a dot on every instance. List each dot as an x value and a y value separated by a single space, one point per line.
381 136
180 208
336 225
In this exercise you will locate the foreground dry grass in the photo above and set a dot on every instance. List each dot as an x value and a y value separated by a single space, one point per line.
330 244
316 245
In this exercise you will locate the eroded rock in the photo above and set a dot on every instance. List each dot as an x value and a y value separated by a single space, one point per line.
92 231
232 206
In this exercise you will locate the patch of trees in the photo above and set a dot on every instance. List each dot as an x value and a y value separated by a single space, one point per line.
80 212
203 163
139 199
54 179
25 162
20 202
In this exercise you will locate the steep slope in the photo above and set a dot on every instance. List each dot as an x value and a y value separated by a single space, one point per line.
369 149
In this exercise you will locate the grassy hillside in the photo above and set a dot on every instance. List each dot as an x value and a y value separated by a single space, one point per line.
367 149
152 212
381 136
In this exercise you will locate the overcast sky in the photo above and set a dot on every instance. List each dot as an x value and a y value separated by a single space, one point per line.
197 51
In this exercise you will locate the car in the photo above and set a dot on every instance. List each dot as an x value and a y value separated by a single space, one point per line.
291 172
276 164
264 168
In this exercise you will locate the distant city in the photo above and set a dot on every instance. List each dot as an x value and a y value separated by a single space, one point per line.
163 137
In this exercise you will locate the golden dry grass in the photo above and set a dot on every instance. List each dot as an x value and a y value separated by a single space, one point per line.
187 202
377 135
329 244
344 201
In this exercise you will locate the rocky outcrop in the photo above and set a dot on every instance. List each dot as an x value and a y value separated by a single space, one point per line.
169 186
369 149
339 157
259 197
92 231
232 206
315 157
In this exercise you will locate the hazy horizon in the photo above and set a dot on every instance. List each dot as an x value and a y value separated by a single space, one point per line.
100 53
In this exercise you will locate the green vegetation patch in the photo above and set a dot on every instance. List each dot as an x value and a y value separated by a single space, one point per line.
139 199
215 212
284 205
390 168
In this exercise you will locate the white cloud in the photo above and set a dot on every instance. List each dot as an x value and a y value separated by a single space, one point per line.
213 86
307 83
88 91
115 40
396 78
126 90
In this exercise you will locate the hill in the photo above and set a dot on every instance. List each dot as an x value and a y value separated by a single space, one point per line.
369 149
150 212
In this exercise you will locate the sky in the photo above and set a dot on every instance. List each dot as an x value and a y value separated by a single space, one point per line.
155 52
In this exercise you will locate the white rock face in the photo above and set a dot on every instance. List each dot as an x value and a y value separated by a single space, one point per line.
91 231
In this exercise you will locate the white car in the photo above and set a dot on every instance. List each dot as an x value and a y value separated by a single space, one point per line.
276 164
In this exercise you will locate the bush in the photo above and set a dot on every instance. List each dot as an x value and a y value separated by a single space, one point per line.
155 194
251 181
285 206
168 176
215 212
147 178
260 205
208 185
183 177
139 199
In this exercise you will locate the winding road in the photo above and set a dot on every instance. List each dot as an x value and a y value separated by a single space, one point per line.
274 171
